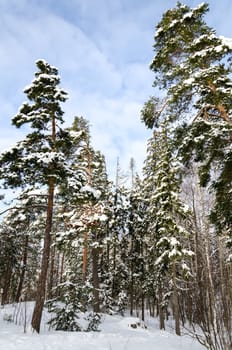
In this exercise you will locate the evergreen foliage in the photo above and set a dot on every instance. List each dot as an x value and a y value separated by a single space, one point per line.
168 254
66 308
103 247
94 320
192 66
32 160
169 211
191 63
40 159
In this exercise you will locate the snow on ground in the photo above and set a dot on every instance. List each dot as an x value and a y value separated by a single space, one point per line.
116 334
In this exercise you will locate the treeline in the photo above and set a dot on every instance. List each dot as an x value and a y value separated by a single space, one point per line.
75 242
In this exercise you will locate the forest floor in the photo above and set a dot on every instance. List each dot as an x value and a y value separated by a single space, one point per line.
115 333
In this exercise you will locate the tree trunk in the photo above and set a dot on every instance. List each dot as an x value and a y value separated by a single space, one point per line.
114 282
85 256
131 287
51 273
61 269
96 301
21 280
6 287
161 310
176 302
143 307
41 289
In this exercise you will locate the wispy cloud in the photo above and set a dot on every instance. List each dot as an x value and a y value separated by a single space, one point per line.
108 95
102 50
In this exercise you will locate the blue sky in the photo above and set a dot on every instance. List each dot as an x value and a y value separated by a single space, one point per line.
102 49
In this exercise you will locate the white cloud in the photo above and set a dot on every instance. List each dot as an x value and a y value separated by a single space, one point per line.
109 96
64 44
102 50
115 125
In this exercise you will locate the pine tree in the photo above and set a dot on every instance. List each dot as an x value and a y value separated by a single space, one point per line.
66 308
192 67
10 253
40 158
24 219
191 63
167 233
25 240
80 238
116 272
149 216
137 248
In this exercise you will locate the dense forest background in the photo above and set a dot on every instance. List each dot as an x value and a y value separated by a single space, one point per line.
159 243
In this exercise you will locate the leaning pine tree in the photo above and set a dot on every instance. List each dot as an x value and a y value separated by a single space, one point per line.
193 66
39 159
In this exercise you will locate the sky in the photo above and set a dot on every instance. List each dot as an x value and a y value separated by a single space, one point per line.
102 49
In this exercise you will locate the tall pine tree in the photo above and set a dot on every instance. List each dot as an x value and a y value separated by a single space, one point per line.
40 158
192 66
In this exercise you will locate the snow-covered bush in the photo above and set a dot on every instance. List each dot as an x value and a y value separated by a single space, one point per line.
94 320
65 308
